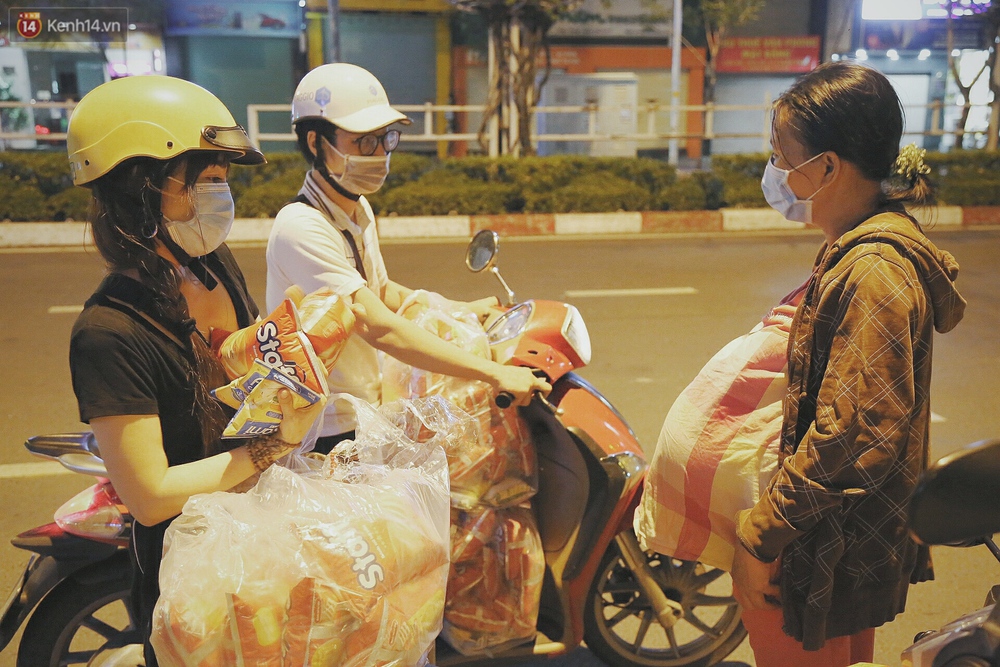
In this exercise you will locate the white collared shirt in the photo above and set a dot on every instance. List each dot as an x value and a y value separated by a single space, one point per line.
307 248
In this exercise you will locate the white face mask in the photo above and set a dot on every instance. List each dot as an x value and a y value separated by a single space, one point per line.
214 211
363 174
779 194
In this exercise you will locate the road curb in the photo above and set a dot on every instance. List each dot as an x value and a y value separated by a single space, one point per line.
568 225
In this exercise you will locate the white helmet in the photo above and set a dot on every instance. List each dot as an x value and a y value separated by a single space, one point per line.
346 95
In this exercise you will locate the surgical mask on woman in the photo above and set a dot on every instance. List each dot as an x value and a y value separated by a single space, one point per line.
214 211
779 194
363 174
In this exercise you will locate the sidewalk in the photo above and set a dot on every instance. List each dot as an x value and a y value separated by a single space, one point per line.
564 225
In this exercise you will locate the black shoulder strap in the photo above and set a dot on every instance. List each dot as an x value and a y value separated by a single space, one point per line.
134 299
358 263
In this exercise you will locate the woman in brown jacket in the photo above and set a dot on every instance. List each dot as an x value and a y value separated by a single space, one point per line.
826 554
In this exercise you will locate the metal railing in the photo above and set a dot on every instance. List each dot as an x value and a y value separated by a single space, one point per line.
656 117
34 133
427 117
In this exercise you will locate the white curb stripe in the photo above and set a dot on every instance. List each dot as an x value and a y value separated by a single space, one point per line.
65 310
935 217
398 227
28 234
649 291
249 230
598 223
23 470
755 219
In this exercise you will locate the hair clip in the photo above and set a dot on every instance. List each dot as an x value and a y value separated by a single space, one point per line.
910 162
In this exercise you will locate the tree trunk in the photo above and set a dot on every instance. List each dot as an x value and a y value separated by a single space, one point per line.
994 126
713 39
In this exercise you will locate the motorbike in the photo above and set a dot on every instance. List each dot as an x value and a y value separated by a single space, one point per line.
955 503
74 590
630 606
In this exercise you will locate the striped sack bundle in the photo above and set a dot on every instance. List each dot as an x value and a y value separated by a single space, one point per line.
718 447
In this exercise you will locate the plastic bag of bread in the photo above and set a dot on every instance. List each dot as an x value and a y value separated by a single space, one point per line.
500 469
222 596
495 585
346 556
436 420
449 322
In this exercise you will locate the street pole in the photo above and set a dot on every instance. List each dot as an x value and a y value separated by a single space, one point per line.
675 83
333 51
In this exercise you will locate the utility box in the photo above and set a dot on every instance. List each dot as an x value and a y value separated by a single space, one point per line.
616 96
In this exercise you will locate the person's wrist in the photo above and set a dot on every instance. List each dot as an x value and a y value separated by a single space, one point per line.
265 450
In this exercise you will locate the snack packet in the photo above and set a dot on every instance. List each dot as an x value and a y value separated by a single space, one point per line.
279 341
255 397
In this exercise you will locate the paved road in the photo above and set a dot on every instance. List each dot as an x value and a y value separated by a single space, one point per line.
646 348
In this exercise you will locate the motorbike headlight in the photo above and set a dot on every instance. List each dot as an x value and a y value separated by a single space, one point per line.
575 332
510 324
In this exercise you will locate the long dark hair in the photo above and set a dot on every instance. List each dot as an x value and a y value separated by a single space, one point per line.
853 111
126 219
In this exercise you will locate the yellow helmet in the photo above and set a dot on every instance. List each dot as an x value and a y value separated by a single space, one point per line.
152 116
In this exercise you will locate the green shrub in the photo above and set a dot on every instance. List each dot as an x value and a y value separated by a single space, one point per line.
713 187
38 186
687 194
439 193
969 191
740 177
70 204
747 165
46 171
19 201
265 199
743 193
590 193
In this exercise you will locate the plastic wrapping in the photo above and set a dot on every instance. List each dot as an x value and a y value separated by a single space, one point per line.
494 586
345 563
495 583
499 468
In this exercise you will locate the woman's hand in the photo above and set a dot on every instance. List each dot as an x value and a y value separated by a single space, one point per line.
520 382
296 422
755 583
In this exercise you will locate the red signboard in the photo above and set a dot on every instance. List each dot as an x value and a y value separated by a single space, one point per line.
768 54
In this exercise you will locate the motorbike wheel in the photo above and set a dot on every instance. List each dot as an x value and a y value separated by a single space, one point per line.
621 628
82 615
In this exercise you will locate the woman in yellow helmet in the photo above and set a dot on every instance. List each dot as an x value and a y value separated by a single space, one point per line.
155 152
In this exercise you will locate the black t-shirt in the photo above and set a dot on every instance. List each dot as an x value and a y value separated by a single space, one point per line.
122 364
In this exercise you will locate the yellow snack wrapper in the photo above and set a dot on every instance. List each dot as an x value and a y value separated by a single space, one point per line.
278 341
255 397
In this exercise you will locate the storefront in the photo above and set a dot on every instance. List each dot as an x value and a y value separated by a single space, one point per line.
752 72
908 41
613 55
244 52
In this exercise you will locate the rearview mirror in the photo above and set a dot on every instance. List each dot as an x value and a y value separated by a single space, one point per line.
482 250
956 499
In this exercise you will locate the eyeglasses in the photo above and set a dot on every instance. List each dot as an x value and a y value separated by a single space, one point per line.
368 144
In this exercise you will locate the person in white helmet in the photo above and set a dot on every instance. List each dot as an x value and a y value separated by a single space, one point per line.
327 237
